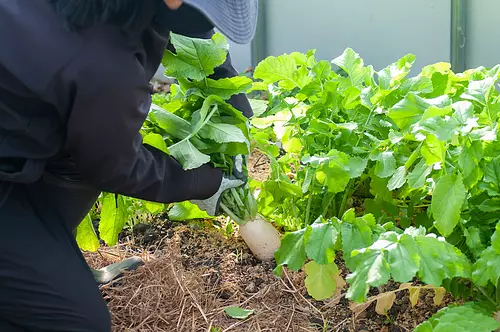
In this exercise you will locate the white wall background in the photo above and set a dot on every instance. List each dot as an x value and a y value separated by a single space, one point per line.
381 31
483 33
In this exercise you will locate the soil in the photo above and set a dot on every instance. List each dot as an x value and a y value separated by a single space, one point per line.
194 271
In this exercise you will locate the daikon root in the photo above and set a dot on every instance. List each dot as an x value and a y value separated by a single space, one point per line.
261 237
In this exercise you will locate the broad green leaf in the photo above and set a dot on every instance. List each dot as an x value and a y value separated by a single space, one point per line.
434 111
356 234
479 90
274 69
292 250
238 313
447 200
156 141
333 170
188 155
464 111
419 84
320 241
386 165
171 123
411 109
417 177
492 171
433 150
224 87
372 269
113 218
395 72
489 205
464 318
398 179
473 240
353 65
153 207
186 211
322 69
408 111
357 166
441 128
439 260
195 58
222 133
320 280
466 161
495 239
486 268
403 258
86 235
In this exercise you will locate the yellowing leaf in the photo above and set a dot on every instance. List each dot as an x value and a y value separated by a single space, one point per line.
385 303
439 294
320 280
414 295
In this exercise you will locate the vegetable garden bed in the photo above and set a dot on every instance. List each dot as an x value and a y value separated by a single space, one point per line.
385 190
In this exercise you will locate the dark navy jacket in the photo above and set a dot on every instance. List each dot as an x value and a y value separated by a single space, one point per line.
79 98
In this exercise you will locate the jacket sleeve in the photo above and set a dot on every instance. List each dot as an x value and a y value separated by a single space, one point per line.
109 107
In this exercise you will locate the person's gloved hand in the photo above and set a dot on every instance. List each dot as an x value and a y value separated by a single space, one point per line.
236 179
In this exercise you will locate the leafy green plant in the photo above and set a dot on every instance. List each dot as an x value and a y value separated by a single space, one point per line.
398 174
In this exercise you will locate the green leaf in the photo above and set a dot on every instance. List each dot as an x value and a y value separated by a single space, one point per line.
447 200
372 269
156 141
492 171
224 87
320 240
320 280
171 123
417 177
353 65
86 236
398 179
479 90
434 111
188 155
433 150
473 240
114 216
195 58
489 205
394 73
356 234
403 258
411 109
238 313
391 254
153 207
440 260
386 165
186 211
495 239
486 268
357 166
222 133
292 250
274 69
464 318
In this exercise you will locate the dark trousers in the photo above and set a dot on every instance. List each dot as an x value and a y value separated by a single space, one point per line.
45 283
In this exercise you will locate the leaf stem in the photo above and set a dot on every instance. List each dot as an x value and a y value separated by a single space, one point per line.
489 298
345 197
231 214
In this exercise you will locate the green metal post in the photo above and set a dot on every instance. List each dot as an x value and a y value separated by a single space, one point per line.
458 35
259 43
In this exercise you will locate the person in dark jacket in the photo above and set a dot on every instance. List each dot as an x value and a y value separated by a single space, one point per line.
74 92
